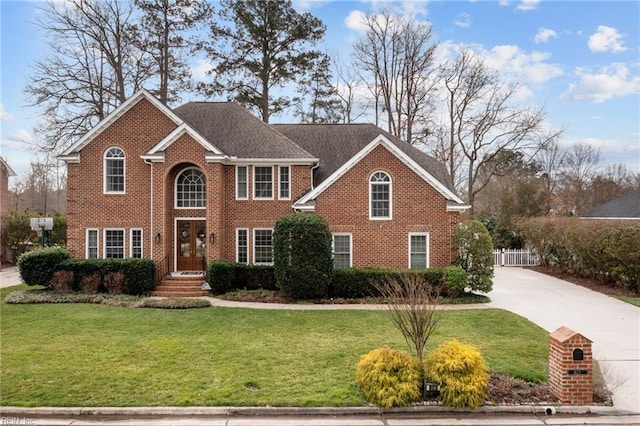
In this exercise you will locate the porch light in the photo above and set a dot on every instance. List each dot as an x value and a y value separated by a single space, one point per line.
212 237
158 238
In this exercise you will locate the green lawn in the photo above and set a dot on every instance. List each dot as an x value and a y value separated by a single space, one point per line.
95 355
633 300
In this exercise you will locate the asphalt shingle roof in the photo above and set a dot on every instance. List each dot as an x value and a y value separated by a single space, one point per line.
237 132
626 206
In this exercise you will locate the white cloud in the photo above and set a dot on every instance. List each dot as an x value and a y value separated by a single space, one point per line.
613 81
529 67
504 3
606 39
463 20
21 136
544 34
200 69
356 20
306 5
526 5
5 116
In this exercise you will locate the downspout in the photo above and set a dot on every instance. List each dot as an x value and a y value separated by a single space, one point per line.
151 234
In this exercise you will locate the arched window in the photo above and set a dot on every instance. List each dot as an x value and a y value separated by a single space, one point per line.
190 189
114 168
380 196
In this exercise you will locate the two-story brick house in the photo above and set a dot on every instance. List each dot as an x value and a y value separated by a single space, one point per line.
208 180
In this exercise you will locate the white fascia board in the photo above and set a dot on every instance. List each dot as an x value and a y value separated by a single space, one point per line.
277 161
156 158
458 208
176 133
381 140
73 158
10 171
117 113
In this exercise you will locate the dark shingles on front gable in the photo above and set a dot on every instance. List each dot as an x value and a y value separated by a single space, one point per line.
335 144
237 132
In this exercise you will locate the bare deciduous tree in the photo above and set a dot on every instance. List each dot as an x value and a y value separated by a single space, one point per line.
412 303
484 123
93 65
395 58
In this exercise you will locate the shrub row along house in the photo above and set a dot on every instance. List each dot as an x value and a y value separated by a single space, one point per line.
208 180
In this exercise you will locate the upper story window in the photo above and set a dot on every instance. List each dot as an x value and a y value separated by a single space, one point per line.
285 183
191 189
380 196
114 171
263 182
242 183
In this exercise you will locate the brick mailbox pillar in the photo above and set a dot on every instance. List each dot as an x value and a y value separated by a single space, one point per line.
571 367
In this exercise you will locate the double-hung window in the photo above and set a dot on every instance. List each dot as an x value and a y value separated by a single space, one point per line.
263 246
285 183
114 169
114 243
92 244
242 183
342 251
419 250
380 196
135 250
263 182
242 245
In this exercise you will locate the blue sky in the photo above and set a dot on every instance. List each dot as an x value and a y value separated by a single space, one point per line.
580 59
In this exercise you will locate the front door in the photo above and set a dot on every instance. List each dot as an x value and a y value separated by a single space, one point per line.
191 246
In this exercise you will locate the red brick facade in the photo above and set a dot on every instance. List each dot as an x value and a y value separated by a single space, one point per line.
571 367
148 202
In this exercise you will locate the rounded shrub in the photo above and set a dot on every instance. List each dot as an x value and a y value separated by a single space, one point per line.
389 377
475 254
302 259
461 373
455 280
37 267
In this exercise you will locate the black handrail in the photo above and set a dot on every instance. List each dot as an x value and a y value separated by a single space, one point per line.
162 269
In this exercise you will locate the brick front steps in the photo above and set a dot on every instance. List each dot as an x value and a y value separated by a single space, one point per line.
176 286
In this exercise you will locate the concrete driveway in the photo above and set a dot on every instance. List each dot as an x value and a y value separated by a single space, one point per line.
612 325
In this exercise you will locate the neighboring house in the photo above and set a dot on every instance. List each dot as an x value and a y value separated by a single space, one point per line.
208 180
5 173
626 207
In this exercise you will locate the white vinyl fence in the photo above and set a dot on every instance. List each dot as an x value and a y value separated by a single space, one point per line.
522 257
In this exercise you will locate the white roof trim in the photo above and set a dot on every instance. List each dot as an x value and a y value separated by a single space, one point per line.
117 113
72 158
276 161
380 140
10 171
176 133
458 208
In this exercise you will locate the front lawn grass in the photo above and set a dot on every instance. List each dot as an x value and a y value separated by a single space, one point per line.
633 300
96 355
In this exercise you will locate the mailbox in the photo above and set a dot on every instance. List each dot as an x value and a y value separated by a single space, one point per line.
571 367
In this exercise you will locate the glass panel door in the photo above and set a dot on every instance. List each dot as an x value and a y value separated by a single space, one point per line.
191 244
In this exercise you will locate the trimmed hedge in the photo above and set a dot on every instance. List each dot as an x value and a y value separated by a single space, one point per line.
607 251
225 276
302 255
354 283
139 273
37 267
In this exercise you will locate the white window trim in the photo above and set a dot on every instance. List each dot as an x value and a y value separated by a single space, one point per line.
104 171
253 184
175 189
131 242
254 246
86 243
280 197
104 242
428 254
238 245
371 216
343 234
246 183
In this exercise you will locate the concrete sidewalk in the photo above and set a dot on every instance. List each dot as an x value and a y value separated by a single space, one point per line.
10 276
612 325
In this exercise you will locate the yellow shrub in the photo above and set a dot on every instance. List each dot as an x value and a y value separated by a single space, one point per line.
461 373
389 377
